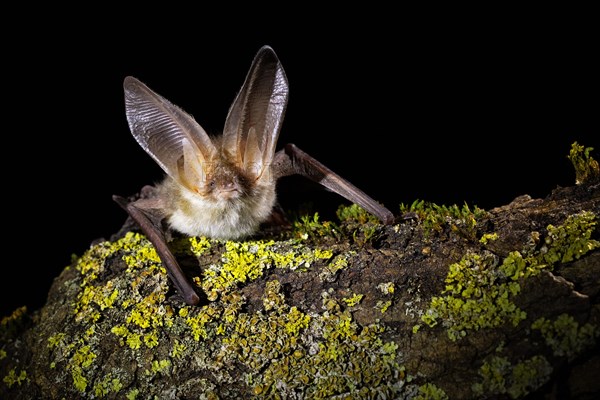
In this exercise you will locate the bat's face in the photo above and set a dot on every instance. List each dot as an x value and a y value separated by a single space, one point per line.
227 185
230 208
220 181
226 202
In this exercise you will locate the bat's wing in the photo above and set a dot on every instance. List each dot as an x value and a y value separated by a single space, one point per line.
291 160
168 134
147 215
254 119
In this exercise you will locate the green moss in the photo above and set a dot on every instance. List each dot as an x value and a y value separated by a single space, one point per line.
339 262
479 290
178 349
501 377
355 213
587 169
311 227
434 217
144 312
79 380
79 363
358 224
355 223
564 335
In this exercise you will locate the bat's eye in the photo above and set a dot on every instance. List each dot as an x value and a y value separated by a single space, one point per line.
212 184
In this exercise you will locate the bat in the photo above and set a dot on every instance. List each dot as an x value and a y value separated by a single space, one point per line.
220 186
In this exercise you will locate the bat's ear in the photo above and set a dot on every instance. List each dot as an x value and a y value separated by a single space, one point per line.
254 119
167 133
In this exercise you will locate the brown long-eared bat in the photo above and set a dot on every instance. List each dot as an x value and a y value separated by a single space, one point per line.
221 187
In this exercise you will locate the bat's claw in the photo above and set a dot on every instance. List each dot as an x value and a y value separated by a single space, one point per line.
389 219
121 201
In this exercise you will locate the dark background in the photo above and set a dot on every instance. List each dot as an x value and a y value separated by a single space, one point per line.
448 109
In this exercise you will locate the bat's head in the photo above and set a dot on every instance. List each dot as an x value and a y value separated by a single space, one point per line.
223 201
225 168
217 186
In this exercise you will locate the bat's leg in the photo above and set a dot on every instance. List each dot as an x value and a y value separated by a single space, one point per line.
291 160
157 238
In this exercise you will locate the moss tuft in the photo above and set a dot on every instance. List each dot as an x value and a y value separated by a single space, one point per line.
587 169
434 217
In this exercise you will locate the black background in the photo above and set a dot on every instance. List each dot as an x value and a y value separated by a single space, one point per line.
444 108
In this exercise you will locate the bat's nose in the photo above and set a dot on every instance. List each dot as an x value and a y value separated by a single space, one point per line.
228 186
229 190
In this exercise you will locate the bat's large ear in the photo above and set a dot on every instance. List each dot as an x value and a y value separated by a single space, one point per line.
171 136
254 119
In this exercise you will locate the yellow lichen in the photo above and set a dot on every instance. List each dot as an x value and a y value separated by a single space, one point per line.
132 394
15 316
386 287
159 366
246 261
178 349
342 355
383 305
430 391
479 290
122 288
487 237
500 376
565 336
199 245
353 300
106 385
15 378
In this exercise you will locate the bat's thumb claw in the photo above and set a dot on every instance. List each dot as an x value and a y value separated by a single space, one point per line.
389 218
120 201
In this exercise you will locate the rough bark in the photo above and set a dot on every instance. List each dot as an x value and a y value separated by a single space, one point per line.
447 303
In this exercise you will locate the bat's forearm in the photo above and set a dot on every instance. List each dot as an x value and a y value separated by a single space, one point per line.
292 160
157 238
